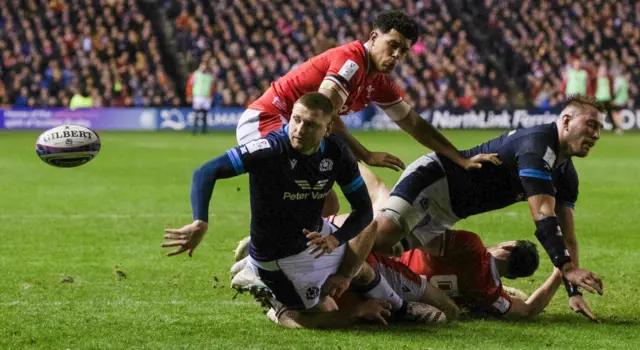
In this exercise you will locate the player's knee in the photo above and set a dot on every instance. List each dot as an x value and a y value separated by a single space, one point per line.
388 233
366 275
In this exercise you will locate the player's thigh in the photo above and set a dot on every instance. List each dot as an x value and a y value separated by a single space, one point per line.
299 278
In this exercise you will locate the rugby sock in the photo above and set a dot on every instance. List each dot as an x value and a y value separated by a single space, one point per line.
379 288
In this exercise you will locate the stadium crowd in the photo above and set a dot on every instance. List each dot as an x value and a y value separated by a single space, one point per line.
103 50
106 49
602 35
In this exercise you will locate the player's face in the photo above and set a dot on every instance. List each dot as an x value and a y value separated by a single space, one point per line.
583 130
388 49
307 128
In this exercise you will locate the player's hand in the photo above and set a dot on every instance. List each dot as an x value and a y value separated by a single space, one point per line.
324 243
374 309
476 161
385 160
335 285
579 305
186 238
584 278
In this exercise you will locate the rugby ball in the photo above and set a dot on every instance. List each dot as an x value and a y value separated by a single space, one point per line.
68 146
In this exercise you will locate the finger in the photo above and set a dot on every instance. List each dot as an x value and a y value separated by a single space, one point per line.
339 291
591 282
381 319
395 161
390 166
171 230
586 287
305 231
173 236
598 281
586 312
315 241
174 244
325 250
315 249
385 313
176 252
313 235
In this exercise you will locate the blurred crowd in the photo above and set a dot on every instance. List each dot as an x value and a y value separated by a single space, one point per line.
105 50
601 37
102 50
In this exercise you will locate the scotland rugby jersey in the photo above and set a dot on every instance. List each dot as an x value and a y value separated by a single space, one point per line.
287 191
525 153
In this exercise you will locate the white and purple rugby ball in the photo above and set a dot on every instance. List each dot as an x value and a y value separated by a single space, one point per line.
68 146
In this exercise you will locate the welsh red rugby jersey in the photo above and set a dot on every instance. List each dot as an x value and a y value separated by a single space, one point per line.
347 66
465 271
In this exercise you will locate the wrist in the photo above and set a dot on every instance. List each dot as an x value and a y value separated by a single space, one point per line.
568 266
200 224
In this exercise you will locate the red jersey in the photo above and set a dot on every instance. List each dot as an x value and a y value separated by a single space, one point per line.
465 271
348 66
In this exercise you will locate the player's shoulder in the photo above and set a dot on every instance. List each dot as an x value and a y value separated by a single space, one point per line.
335 146
354 49
463 243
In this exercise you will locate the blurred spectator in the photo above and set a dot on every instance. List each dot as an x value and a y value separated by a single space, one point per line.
82 99
200 90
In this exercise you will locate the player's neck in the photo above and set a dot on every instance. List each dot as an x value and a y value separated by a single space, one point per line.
371 68
564 151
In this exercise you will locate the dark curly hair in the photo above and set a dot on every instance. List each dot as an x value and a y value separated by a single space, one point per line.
398 20
523 260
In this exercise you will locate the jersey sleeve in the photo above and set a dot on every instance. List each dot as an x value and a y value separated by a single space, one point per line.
496 299
386 93
252 156
535 161
345 70
348 176
388 96
567 186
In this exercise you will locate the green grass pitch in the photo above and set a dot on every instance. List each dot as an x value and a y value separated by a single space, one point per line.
69 235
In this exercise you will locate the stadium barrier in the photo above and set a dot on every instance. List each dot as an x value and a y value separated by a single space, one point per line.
227 118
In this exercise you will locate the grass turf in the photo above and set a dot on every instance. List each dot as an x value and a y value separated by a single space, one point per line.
69 235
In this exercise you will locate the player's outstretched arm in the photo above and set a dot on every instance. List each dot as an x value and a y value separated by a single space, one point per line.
204 178
430 137
538 300
378 159
549 234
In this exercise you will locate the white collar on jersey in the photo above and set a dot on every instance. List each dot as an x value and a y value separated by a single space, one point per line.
366 48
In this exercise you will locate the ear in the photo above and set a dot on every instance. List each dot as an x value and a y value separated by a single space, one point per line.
566 118
372 36
329 128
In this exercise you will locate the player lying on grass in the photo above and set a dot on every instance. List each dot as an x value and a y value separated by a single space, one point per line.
433 194
291 171
466 270
353 76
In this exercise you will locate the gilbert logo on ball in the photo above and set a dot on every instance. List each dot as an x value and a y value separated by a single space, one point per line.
68 146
